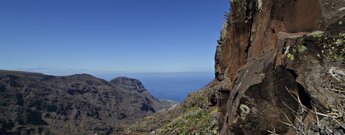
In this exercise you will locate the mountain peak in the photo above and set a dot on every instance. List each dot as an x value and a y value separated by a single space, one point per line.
128 83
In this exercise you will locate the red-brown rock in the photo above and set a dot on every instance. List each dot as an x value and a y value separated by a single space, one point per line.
272 53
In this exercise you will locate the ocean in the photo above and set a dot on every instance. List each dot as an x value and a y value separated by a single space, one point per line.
173 86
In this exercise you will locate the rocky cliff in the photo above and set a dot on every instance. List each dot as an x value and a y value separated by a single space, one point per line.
33 103
281 67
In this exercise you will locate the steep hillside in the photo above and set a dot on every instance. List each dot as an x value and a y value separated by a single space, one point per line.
136 87
281 65
196 115
33 103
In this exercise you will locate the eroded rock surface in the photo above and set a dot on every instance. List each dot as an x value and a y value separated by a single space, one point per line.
280 64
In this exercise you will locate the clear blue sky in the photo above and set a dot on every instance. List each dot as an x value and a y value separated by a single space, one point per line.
110 35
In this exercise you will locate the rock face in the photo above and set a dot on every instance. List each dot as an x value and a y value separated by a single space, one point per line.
129 83
136 87
33 103
280 67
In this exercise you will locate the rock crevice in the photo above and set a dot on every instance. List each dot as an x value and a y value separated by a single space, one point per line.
276 58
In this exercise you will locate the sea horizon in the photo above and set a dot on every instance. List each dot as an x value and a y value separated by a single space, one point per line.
162 85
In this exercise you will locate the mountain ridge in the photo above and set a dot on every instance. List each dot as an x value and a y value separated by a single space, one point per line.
34 103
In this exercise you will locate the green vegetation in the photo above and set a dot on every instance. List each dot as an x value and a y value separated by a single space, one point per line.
194 121
317 35
290 56
332 47
301 48
335 49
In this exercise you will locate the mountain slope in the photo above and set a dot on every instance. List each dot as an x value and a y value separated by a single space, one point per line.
196 115
33 103
136 87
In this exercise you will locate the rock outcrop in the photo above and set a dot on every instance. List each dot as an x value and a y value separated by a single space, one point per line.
136 87
33 103
280 66
129 83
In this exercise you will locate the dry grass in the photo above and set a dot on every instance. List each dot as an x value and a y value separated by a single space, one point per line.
299 126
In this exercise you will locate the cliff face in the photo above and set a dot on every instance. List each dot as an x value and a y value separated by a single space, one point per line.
280 67
34 103
136 87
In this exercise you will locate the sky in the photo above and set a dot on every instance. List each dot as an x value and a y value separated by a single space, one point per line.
110 35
